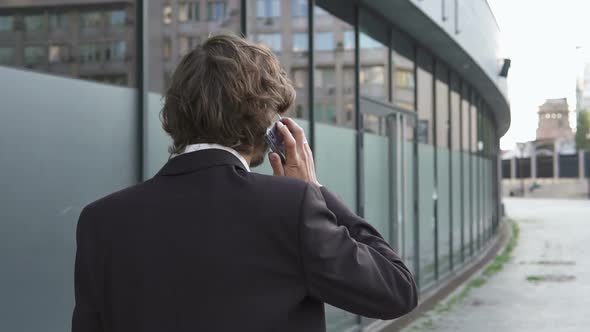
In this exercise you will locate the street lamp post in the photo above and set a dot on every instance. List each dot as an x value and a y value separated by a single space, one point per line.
521 146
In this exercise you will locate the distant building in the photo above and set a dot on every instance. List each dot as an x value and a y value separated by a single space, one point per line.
554 132
554 121
86 39
551 156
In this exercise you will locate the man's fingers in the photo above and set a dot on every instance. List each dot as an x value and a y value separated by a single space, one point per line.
289 143
300 139
309 154
275 163
297 132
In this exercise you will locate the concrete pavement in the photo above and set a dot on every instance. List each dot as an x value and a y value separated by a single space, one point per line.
546 284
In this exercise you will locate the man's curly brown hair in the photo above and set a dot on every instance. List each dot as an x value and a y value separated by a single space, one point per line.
225 91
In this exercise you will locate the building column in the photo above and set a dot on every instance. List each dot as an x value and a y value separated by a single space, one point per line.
555 161
581 164
513 168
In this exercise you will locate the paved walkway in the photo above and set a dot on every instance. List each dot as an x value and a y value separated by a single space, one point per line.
544 287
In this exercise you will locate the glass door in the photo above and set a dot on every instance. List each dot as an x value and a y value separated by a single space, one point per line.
388 160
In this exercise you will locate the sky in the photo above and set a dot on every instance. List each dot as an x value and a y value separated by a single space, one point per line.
548 42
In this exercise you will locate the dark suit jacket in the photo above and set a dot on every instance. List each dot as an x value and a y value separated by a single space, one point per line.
206 246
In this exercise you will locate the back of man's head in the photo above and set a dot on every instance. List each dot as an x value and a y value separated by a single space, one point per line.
225 91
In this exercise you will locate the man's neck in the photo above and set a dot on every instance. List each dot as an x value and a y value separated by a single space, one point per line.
247 157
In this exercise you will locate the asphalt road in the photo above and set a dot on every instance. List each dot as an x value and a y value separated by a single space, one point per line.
546 284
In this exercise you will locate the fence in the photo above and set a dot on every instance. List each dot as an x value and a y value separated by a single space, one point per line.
559 166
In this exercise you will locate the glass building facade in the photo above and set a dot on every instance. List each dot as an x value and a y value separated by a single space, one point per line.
405 133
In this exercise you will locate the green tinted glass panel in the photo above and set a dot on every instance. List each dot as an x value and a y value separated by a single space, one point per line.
426 212
335 162
456 205
409 222
444 210
467 202
377 180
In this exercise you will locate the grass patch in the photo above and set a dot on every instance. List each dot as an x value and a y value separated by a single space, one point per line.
494 267
534 278
491 269
550 278
498 263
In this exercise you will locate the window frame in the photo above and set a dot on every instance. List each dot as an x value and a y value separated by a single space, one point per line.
268 8
40 57
212 9
323 48
271 45
7 18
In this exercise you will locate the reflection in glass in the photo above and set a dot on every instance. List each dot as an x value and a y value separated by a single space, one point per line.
117 17
474 127
443 185
300 41
324 41
425 98
268 8
404 78
335 118
34 22
58 21
381 131
167 48
368 42
325 78
188 11
428 194
348 40
91 20
299 8
271 40
115 50
6 23
77 39
372 80
35 55
288 38
465 115
404 81
456 166
216 10
182 45
442 105
90 53
58 53
455 87
334 79
6 55
167 14
184 25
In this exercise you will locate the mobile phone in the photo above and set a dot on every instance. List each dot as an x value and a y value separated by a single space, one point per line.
275 140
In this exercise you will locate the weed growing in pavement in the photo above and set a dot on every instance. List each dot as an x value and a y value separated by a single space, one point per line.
494 267
491 269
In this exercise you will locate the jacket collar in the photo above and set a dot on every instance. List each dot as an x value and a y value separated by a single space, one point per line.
206 146
194 161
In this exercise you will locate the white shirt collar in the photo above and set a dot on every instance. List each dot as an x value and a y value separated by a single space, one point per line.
207 146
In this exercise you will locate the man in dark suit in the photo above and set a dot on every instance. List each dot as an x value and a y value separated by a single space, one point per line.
206 245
